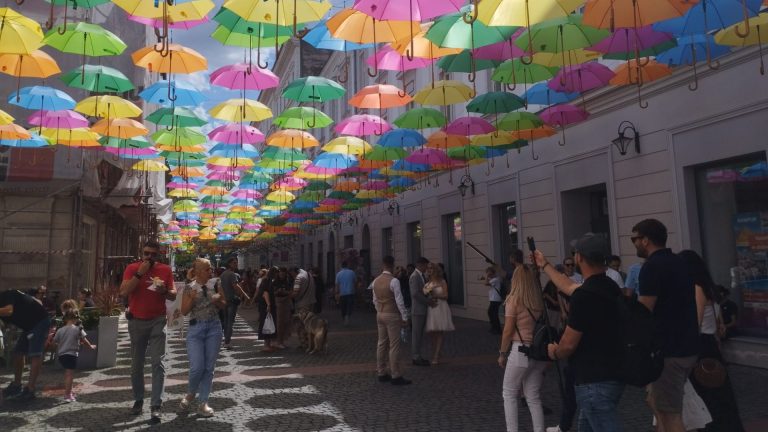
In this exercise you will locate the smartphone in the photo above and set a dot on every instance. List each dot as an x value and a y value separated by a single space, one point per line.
531 244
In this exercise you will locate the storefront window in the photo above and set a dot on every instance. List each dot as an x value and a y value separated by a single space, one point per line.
733 217
414 241
452 258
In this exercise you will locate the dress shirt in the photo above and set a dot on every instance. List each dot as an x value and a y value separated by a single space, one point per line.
394 286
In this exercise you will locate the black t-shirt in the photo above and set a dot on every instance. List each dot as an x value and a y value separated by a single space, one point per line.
665 276
27 312
594 315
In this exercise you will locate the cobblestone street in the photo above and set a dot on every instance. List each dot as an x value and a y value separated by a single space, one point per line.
291 391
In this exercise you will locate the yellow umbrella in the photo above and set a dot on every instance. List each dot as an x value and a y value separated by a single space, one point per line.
523 13
755 34
107 106
120 128
292 138
241 109
57 136
188 11
229 161
183 193
496 138
13 132
150 165
281 196
347 145
187 172
444 92
355 26
183 148
421 47
5 118
213 190
36 64
176 59
279 12
566 58
19 34
79 143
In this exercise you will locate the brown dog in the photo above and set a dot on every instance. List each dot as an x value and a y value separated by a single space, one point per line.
312 330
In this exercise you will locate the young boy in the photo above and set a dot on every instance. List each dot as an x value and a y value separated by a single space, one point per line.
68 340
494 299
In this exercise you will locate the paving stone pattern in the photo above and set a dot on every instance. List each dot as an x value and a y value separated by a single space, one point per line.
337 391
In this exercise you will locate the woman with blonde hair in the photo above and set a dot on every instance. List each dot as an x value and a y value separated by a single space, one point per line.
439 318
523 306
202 300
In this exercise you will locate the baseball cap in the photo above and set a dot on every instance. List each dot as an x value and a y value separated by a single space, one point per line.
593 247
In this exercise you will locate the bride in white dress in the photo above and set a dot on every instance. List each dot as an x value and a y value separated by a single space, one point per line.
439 316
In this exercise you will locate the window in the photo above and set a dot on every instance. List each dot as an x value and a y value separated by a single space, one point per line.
387 246
505 235
5 161
349 242
733 223
319 254
453 259
301 256
414 241
87 246
311 254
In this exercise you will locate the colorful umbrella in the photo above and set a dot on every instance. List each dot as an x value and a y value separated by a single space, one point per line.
303 118
516 71
85 39
347 145
495 103
119 128
362 125
320 37
64 119
380 96
613 14
402 138
176 93
756 34
108 107
563 115
241 110
19 35
176 117
638 73
292 139
421 118
99 79
444 92
443 140
236 133
468 126
41 98
313 89
541 94
581 78
242 76
691 50
175 59
36 64
5 118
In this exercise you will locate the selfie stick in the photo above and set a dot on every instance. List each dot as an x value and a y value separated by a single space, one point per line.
479 252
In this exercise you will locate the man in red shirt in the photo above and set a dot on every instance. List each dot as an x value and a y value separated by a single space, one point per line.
147 284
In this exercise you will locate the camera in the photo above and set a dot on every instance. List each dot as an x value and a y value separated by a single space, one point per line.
525 349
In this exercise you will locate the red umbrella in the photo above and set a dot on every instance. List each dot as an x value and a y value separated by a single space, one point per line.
563 115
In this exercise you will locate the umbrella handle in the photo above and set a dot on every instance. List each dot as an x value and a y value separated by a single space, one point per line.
314 120
743 33
533 155
510 88
471 17
375 72
562 144
640 102
345 68
507 157
171 92
49 23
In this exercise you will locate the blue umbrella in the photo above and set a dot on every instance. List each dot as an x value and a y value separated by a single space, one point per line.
492 152
403 165
335 161
320 37
229 150
253 185
35 141
541 94
708 16
188 216
692 49
402 138
41 98
403 182
305 204
268 213
186 94
244 202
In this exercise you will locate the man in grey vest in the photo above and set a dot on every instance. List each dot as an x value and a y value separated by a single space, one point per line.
419 305
230 284
390 318
303 297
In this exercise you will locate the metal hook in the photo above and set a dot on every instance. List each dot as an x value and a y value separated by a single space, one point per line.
49 23
533 155
643 104
487 169
743 33
562 144
345 68
471 17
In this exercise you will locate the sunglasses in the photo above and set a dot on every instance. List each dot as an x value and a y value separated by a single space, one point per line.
636 238
148 253
568 264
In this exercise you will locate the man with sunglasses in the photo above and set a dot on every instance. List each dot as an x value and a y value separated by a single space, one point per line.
147 284
569 267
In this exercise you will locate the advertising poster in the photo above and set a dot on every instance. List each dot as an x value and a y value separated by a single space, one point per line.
750 275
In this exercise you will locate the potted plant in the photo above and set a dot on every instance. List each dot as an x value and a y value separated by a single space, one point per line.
101 324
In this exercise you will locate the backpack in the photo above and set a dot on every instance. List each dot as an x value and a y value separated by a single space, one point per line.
543 335
641 359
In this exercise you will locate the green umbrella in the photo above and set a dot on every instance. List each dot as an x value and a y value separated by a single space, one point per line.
469 152
516 145
421 118
313 89
237 24
99 79
519 120
451 31
136 142
381 153
74 4
515 71
317 185
559 35
342 195
179 136
232 38
282 154
187 162
185 156
303 118
256 177
85 39
495 103
465 62
176 117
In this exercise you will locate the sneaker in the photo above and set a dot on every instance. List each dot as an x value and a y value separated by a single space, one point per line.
156 414
26 395
184 403
205 410
400 381
70 397
227 346
12 390
138 406
385 378
554 429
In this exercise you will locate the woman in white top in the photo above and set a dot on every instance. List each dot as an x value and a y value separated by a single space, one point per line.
439 318
522 308
720 401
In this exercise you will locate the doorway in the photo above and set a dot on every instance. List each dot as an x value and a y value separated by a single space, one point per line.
584 210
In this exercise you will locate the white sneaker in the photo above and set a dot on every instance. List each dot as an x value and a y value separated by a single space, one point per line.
554 429
184 403
205 410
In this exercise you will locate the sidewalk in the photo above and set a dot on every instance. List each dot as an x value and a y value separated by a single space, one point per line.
338 391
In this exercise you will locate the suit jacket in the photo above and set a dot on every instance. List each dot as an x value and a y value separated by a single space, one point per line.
419 302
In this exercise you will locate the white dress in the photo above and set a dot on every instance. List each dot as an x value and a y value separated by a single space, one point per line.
439 317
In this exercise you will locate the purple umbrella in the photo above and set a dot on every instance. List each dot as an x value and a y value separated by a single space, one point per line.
242 76
581 78
388 59
64 119
408 10
563 115
362 125
181 185
466 126
428 156
158 22
627 40
236 133
501 51
247 193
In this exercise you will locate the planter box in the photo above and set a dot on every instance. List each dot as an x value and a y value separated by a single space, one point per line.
105 338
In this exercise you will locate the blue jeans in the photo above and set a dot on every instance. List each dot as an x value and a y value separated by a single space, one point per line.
228 315
347 303
203 342
598 404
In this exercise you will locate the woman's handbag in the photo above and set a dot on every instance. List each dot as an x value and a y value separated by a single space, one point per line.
269 325
710 372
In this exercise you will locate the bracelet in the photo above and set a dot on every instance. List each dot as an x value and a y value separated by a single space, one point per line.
545 265
138 276
503 353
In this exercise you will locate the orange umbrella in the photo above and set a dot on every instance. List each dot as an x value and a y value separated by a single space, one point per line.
13 132
184 171
533 134
292 138
36 64
421 47
613 14
120 128
635 72
370 165
177 59
442 140
380 96
347 186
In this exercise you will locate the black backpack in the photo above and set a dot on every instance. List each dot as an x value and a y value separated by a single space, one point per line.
543 335
642 360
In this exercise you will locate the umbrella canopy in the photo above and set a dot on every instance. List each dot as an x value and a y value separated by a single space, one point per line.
119 128
495 103
241 110
64 119
293 139
313 89
100 79
408 10
41 98
710 15
402 138
14 132
180 94
242 76
388 59
421 118
560 34
691 50
85 39
20 34
541 94
634 72
5 118
382 153
107 106
176 117
303 118
444 92
428 156
270 35
347 145
36 64
613 14
516 71
235 133
523 13
320 37
630 40
380 96
452 31
581 78
283 13
362 125
469 126
179 59
563 115
355 26
443 140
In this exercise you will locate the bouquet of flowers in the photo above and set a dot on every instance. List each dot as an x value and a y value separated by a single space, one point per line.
427 290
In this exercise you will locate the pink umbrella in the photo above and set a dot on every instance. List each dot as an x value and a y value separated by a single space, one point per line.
332 202
628 40
131 151
291 182
223 175
313 169
563 115
188 222
408 10
214 205
247 193
158 22
242 76
221 168
181 185
64 119
375 185
236 133
501 51
428 156
362 124
468 125
581 78
388 59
